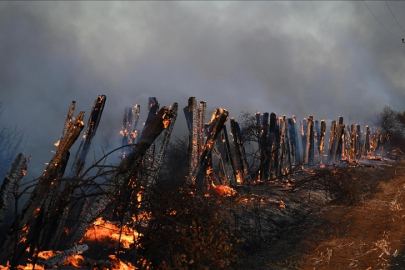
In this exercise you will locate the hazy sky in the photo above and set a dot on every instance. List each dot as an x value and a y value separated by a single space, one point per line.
321 58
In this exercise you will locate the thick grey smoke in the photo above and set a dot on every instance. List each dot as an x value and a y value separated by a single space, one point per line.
321 58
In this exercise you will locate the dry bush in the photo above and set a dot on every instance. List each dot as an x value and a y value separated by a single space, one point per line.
337 182
187 231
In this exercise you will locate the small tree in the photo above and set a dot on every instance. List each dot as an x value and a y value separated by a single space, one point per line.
10 143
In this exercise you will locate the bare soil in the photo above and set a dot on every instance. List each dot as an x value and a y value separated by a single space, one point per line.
367 235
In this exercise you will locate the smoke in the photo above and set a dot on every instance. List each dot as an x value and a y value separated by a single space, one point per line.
321 58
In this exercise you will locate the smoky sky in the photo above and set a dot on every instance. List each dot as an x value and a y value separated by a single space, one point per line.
321 58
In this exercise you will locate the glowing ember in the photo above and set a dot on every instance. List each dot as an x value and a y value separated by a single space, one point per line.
57 143
110 232
44 255
117 264
222 190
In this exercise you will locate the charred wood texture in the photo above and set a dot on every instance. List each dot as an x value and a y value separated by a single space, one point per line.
293 153
78 164
331 146
339 142
191 113
218 121
238 147
149 158
224 157
164 143
358 142
309 148
10 183
127 169
317 141
45 182
129 132
272 144
287 153
84 147
277 132
64 256
322 141
297 142
304 130
352 142
264 148
281 149
201 122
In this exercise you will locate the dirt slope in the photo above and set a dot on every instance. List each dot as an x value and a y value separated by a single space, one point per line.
368 235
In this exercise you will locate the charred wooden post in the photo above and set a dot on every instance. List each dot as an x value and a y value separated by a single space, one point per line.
291 132
201 122
50 204
224 156
272 144
218 121
63 257
347 142
297 142
264 166
358 142
352 142
367 141
10 183
127 169
68 119
322 141
238 146
45 182
378 139
287 152
309 148
164 143
339 142
149 158
317 141
129 132
84 147
191 113
304 138
277 135
281 151
79 162
331 146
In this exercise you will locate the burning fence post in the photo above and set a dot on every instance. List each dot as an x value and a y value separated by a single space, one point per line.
331 146
281 150
304 138
322 141
291 131
200 130
277 148
367 142
166 133
272 144
240 163
218 121
127 169
339 142
352 142
358 142
309 148
287 153
191 113
10 183
78 164
45 182
317 141
224 157
130 122
149 158
347 142
64 256
264 166
297 142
